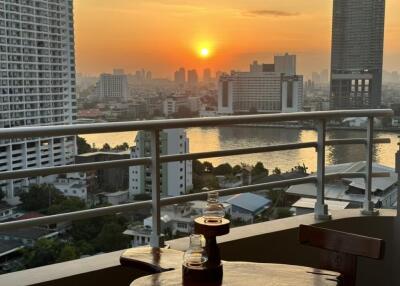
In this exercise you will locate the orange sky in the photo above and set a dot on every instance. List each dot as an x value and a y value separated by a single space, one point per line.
162 35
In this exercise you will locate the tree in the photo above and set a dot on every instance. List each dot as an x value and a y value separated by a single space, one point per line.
68 252
83 146
123 147
44 252
283 213
2 194
223 170
277 171
237 169
111 238
208 167
259 169
106 147
70 204
198 167
40 197
277 197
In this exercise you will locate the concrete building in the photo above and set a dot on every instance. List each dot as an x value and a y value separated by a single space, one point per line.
306 205
37 84
180 76
193 78
384 190
104 179
207 75
176 177
7 212
292 93
175 219
285 64
115 198
261 90
112 86
72 185
357 54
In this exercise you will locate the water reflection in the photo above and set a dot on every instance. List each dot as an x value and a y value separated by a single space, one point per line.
209 139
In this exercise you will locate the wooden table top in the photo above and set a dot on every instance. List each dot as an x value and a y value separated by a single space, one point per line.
247 274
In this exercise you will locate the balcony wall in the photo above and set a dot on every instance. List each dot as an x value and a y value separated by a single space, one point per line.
274 241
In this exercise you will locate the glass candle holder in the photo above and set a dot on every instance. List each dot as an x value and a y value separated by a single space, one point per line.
214 212
195 257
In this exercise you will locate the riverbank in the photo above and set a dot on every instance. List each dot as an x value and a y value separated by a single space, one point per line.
309 127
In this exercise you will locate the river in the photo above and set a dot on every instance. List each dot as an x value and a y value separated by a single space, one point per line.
220 138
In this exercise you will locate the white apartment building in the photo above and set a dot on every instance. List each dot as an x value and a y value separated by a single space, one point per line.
37 84
292 93
261 90
249 92
112 86
176 177
72 185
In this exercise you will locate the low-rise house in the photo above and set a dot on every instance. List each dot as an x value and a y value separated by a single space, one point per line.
352 190
176 220
7 211
306 205
247 206
72 185
12 241
115 198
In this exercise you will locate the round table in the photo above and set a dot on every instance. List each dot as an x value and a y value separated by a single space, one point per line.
247 274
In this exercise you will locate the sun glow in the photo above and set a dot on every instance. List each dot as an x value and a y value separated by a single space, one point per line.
204 52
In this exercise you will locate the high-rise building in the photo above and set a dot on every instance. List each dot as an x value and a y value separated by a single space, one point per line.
112 86
292 93
176 177
357 54
149 75
207 75
119 72
37 84
180 76
262 90
193 78
285 64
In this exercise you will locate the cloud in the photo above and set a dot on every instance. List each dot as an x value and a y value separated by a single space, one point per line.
269 13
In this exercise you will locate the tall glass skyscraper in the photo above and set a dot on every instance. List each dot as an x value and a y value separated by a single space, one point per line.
37 83
357 54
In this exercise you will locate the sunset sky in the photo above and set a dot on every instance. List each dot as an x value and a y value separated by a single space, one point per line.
162 35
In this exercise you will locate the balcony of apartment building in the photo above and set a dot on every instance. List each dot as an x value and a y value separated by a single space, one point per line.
275 241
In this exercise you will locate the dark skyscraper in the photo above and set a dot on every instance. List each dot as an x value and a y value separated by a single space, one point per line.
357 54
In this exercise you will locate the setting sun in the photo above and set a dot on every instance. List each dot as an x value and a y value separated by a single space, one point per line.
204 52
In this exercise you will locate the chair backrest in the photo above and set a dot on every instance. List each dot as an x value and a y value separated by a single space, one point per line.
343 247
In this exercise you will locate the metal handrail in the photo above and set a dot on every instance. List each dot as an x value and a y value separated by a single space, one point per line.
63 130
156 159
45 171
129 207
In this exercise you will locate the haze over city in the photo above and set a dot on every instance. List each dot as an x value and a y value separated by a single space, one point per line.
163 35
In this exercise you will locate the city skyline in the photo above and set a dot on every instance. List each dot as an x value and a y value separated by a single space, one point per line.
164 41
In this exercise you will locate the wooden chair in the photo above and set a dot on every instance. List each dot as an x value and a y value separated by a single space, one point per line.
343 250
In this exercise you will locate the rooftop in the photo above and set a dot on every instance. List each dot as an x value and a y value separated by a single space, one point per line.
309 203
247 201
33 233
338 189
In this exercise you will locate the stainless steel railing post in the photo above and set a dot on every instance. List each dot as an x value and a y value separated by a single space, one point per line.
368 208
321 209
156 239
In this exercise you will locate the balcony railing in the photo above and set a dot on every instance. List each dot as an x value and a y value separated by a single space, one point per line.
155 126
